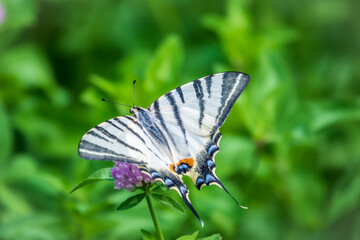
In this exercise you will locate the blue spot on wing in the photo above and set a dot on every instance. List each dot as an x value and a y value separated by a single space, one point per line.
155 175
213 148
181 168
210 178
210 164
183 190
199 182
169 182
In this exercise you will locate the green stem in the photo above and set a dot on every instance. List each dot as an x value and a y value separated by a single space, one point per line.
153 216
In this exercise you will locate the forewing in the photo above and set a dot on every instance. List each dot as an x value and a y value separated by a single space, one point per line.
117 139
203 105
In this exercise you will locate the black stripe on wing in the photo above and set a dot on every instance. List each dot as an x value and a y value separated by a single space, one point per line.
92 151
109 135
200 96
208 81
181 95
136 134
231 89
96 135
130 130
176 112
114 125
162 122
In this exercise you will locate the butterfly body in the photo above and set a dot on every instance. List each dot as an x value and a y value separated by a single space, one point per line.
176 135
152 129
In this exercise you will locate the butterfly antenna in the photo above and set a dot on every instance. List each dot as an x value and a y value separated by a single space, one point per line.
104 100
134 92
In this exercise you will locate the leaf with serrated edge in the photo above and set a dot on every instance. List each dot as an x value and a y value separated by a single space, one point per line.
99 175
131 202
168 201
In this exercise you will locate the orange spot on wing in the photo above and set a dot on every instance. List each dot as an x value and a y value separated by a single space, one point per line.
172 168
189 161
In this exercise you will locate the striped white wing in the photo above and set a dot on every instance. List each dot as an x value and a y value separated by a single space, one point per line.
119 139
191 116
201 106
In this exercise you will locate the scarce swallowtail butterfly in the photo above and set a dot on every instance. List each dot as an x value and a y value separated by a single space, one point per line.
177 134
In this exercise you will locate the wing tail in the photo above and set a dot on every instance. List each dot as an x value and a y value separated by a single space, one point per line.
203 172
173 181
219 183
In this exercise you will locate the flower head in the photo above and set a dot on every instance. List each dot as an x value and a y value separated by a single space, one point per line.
128 176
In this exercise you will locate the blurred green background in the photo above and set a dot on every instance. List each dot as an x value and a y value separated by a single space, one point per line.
290 149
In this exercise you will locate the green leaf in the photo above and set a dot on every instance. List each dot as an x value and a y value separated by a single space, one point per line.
160 189
104 84
19 15
189 237
346 193
99 175
165 66
131 202
13 202
6 135
329 113
168 201
212 237
146 235
28 65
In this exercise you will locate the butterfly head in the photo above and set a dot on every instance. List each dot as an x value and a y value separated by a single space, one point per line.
136 110
143 115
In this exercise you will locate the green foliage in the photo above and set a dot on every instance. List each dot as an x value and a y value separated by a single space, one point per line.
146 235
189 237
212 237
131 202
6 136
195 234
290 147
99 175
168 201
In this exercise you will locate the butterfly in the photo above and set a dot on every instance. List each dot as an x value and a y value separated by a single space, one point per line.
176 135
